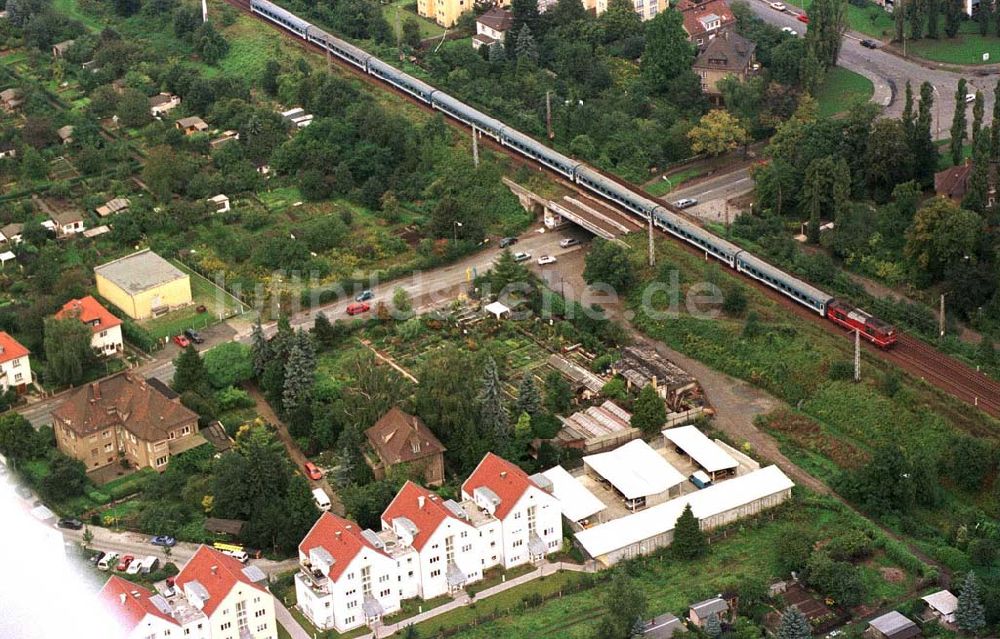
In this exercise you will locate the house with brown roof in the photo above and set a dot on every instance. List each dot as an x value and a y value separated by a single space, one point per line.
492 27
113 206
730 54
704 20
11 99
953 182
123 418
402 440
191 125
163 103
65 134
68 222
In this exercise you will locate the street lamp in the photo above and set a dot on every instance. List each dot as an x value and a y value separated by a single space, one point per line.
454 228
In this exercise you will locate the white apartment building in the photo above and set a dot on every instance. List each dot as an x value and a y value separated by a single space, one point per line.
15 367
140 614
231 596
345 580
528 517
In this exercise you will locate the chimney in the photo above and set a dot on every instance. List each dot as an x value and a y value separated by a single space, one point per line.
420 502
338 534
215 570
95 391
503 474
123 598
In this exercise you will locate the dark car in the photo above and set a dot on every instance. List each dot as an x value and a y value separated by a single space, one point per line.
70 522
869 44
194 336
364 296
97 557
163 540
508 241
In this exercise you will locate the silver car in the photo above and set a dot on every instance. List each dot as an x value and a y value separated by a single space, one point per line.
685 202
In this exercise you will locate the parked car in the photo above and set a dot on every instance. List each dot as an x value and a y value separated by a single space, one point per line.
778 6
521 257
163 540
23 492
125 563
312 472
568 242
70 522
700 479
364 295
790 31
194 336
869 44
508 241
357 308
134 567
802 18
108 561
546 259
685 202
96 558
181 341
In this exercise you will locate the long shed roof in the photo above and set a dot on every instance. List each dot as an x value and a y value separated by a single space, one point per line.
700 448
577 503
635 470
711 501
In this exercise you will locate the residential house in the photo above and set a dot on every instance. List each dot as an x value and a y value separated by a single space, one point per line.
942 605
220 202
191 125
140 614
15 365
106 328
11 99
492 27
436 545
953 182
68 222
530 517
346 579
113 207
705 19
65 134
400 440
232 597
162 103
647 9
11 233
60 48
143 285
699 613
123 418
730 54
892 625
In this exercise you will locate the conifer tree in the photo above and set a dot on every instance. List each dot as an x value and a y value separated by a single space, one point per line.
970 615
793 625
494 419
689 541
189 372
528 399
300 372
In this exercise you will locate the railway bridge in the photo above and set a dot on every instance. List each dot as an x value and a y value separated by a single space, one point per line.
593 215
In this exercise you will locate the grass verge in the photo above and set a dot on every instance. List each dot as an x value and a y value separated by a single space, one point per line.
841 90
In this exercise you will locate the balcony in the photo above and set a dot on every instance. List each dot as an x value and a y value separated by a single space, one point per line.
315 579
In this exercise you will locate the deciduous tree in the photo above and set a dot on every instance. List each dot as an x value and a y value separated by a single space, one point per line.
717 132
608 263
650 412
229 364
67 350
941 234
625 607
668 52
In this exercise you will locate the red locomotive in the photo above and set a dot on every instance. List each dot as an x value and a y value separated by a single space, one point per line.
874 330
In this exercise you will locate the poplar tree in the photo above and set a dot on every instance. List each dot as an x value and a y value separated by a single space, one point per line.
925 154
260 349
978 110
952 17
933 10
494 420
995 131
958 124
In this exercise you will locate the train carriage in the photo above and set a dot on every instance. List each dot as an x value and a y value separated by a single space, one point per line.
674 224
285 18
418 89
344 50
777 279
611 190
541 153
464 113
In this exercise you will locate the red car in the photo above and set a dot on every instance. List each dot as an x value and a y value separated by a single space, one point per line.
312 472
124 563
182 341
802 18
357 308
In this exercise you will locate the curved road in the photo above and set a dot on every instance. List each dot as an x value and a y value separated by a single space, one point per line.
890 72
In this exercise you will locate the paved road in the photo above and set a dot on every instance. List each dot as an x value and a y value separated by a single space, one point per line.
890 72
713 193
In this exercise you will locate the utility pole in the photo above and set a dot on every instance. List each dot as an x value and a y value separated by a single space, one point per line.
548 114
204 10
329 63
475 147
652 249
941 317
857 355
727 217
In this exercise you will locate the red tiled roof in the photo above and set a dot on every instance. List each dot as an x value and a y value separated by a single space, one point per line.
10 348
426 519
339 537
128 603
89 311
505 479
399 437
692 12
217 572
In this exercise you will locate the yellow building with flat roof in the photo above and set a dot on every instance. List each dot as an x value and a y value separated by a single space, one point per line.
447 12
143 285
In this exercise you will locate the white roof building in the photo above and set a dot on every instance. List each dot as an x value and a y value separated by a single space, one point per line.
577 503
640 474
706 453
719 504
943 603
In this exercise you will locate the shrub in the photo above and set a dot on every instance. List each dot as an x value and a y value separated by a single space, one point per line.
735 302
615 389
851 545
232 398
841 370
98 497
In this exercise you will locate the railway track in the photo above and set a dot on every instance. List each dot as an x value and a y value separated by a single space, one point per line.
912 355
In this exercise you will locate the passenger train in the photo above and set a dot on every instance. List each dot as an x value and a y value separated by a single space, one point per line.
733 256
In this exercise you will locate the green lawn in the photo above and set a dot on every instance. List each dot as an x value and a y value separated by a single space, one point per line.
71 9
871 20
219 303
841 90
403 9
662 187
966 48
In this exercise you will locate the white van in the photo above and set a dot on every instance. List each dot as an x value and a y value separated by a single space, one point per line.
148 565
321 499
109 560
239 555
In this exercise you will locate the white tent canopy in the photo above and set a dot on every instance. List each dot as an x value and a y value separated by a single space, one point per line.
497 309
577 503
635 470
700 448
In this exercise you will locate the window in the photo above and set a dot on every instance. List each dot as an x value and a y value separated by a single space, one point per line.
383 579
106 434
103 334
93 452
519 542
18 377
434 560
384 593
517 515
352 604
262 628
465 533
349 620
467 548
262 612
435 573
351 592
160 461
226 626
